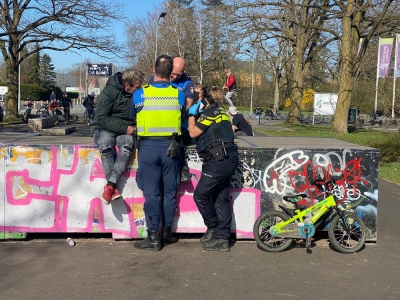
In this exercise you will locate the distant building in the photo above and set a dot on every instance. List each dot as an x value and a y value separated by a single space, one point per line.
66 80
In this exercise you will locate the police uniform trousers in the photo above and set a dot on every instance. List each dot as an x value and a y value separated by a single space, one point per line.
158 176
212 193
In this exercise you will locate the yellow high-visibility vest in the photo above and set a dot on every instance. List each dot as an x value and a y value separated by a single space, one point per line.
161 113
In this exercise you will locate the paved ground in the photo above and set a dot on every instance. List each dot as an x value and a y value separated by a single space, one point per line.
101 268
46 267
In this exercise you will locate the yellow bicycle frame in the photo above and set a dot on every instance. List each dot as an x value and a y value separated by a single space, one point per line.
321 207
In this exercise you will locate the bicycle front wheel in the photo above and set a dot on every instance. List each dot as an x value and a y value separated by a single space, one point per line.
347 241
264 239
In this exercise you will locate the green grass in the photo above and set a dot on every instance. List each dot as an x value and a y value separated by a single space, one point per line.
387 143
390 171
8 121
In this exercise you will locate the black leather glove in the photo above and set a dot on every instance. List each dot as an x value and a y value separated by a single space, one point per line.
173 149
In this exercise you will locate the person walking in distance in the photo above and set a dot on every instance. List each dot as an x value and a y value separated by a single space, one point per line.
215 145
66 103
230 86
112 127
258 112
89 105
158 109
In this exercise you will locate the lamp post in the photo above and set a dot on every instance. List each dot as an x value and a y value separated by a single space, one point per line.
162 15
252 83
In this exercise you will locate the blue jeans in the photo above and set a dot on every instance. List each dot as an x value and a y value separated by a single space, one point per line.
158 176
113 164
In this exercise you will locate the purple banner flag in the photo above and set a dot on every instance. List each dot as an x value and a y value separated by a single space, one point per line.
385 52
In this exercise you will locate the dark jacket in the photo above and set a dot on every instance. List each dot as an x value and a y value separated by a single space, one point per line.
112 107
66 102
89 102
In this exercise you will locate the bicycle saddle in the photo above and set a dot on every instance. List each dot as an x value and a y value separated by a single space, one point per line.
294 198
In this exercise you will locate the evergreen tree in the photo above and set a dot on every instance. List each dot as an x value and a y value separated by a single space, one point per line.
34 72
47 71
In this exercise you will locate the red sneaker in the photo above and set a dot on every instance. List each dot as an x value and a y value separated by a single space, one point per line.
115 195
107 194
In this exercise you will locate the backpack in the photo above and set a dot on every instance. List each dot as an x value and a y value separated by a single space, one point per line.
85 102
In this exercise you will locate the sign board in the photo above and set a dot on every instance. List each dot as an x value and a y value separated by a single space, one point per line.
3 90
325 104
96 91
72 89
99 69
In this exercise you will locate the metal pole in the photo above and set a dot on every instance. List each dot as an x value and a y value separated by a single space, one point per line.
155 54
19 83
162 15
395 74
252 86
377 78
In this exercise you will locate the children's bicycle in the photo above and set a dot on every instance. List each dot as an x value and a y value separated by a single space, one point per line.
274 231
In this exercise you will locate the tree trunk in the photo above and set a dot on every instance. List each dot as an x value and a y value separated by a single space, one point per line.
339 124
12 84
351 24
297 92
276 96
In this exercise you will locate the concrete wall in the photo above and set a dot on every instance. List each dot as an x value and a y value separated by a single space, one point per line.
56 188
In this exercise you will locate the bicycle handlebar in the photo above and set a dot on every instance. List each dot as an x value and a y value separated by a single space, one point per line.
320 182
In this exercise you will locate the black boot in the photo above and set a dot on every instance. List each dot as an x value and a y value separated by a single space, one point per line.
217 245
208 236
168 237
152 242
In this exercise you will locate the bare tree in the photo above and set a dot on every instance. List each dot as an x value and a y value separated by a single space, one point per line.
57 25
297 22
359 19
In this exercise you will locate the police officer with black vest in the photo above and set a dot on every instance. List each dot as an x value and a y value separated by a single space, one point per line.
215 145
158 109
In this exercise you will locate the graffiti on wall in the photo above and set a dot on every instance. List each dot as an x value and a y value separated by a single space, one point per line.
57 189
292 171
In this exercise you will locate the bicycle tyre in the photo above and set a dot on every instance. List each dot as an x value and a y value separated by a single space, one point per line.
343 241
43 112
263 237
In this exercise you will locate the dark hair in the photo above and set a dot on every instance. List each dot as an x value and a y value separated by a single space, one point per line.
163 67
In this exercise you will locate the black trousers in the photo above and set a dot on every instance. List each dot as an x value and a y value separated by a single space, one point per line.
66 114
212 194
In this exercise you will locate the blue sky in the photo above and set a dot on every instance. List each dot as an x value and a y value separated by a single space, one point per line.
134 8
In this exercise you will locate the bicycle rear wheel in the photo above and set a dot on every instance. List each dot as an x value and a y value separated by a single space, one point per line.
263 237
347 241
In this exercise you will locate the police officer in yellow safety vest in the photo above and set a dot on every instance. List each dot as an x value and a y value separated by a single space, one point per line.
158 109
